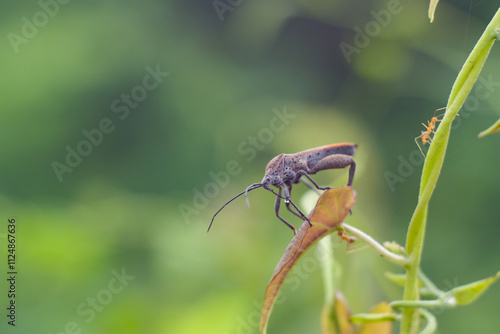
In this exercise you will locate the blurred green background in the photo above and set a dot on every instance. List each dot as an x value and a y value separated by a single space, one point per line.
130 207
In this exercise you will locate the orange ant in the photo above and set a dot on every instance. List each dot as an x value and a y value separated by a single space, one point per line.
425 136
343 236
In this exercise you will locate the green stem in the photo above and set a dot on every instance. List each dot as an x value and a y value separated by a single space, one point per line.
327 263
395 258
432 168
373 317
431 325
428 304
433 289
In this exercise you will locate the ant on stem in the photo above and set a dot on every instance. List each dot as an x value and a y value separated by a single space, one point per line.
425 136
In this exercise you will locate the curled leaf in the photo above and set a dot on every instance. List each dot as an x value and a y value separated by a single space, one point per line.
494 128
330 210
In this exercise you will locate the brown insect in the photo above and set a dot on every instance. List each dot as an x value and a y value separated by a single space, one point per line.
287 169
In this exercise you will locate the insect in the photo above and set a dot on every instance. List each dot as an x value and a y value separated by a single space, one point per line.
342 235
425 136
287 169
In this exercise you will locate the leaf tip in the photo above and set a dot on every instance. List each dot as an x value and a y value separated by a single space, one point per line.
494 128
432 9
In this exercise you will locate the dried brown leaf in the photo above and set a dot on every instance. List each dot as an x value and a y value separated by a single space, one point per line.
335 316
330 210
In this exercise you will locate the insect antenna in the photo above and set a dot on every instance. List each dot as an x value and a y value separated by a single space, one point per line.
250 188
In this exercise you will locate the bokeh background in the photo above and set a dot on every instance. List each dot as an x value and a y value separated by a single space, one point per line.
131 207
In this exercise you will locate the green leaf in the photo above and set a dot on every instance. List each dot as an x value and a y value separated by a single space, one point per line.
399 279
466 294
432 9
330 210
494 128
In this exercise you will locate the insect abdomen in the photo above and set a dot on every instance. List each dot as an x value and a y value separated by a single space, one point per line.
315 155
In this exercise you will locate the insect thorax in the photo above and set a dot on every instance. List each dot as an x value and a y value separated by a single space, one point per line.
282 169
274 170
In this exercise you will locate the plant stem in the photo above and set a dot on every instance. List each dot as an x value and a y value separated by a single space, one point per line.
433 164
373 317
431 326
433 289
395 258
428 304
327 262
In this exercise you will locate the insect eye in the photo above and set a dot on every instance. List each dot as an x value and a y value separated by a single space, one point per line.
268 179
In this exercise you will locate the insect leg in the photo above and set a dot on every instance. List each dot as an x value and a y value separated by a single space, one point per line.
277 211
290 209
303 172
336 161
310 186
288 201
419 144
